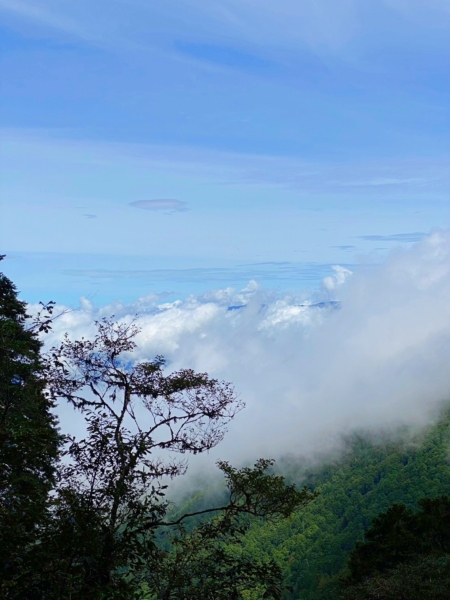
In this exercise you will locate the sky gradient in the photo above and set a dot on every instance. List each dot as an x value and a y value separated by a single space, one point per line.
182 146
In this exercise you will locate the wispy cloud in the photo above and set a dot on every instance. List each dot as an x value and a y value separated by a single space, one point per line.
50 14
286 199
426 178
265 271
225 56
162 205
322 26
386 181
415 236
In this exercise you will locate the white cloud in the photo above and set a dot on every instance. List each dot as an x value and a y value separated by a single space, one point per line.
340 276
307 371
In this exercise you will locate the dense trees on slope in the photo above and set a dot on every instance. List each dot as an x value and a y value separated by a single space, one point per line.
399 535
90 532
370 476
426 578
405 555
368 480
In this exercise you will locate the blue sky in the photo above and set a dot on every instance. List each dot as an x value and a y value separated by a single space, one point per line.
180 146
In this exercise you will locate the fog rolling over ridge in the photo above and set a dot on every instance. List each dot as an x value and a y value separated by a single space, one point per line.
370 350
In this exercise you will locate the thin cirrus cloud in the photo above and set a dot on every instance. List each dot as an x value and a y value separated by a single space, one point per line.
225 56
262 272
161 205
412 237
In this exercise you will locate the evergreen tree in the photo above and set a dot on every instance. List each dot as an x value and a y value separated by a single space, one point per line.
405 555
29 442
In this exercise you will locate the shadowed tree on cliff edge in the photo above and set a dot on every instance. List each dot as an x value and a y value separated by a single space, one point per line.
29 441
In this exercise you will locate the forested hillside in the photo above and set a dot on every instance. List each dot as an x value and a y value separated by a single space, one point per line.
312 546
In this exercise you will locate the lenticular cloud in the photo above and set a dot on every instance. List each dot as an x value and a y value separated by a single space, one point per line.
368 350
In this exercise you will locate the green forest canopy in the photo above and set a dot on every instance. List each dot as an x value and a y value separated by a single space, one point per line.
312 546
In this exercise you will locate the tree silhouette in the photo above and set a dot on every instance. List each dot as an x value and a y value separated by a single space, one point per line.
110 500
29 441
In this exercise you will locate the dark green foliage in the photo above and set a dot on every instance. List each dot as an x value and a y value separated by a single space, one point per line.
426 578
405 554
253 491
209 563
29 442
399 535
258 494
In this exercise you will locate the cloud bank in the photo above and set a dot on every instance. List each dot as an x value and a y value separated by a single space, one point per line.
369 350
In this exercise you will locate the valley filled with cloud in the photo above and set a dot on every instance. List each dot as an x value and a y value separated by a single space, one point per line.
367 351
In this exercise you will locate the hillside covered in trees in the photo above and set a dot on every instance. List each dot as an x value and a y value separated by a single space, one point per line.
313 546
